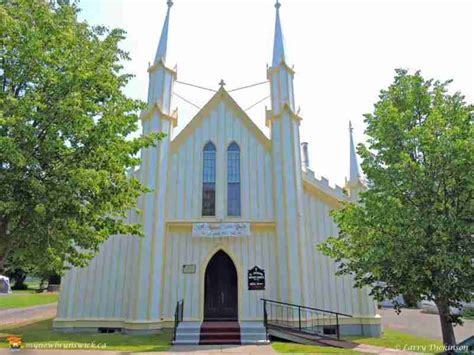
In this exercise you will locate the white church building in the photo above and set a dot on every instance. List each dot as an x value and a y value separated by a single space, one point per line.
234 217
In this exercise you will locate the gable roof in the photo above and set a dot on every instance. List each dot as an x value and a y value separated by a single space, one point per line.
220 96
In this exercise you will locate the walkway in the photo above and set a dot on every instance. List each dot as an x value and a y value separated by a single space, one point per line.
201 349
229 349
423 324
21 315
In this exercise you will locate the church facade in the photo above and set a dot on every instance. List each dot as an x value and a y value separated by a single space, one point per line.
234 216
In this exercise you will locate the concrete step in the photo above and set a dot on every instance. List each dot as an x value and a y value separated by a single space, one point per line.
247 332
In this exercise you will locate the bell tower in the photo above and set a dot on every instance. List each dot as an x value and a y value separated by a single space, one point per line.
157 117
284 126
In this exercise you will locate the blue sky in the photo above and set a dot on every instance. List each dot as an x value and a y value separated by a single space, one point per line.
344 52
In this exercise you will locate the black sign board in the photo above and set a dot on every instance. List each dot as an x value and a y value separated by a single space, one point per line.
256 278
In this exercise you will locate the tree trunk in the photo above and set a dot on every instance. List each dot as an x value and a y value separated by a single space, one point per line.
447 328
4 245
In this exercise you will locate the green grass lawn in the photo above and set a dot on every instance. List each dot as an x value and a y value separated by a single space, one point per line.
398 340
281 347
40 333
26 298
390 339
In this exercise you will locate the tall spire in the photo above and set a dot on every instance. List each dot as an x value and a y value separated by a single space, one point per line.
278 48
163 44
354 173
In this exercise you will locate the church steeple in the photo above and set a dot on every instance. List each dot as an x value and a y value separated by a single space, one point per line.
284 126
157 117
163 44
161 77
278 46
354 174
354 185
280 74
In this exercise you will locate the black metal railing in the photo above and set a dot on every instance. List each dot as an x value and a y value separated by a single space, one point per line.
178 316
300 318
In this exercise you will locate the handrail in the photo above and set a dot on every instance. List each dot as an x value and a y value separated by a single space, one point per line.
305 307
308 320
178 316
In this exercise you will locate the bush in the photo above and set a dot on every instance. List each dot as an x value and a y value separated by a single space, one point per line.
17 278
468 313
18 285
410 301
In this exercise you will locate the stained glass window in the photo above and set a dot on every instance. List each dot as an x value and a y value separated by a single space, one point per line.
233 180
209 180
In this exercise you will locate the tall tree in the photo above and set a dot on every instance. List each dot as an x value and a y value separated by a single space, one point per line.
64 128
412 231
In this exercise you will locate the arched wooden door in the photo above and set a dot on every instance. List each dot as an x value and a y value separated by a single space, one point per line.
220 289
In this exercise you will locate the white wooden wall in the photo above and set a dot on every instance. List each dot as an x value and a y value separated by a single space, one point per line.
106 289
222 127
246 252
326 290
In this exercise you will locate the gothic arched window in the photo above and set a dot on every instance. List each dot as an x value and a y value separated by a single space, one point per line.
233 180
209 180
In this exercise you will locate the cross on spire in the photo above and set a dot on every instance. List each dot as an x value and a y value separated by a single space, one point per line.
222 83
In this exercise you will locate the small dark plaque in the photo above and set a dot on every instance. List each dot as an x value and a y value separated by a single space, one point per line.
189 268
256 278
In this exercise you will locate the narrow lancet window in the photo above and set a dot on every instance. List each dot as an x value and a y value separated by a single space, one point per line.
233 180
209 180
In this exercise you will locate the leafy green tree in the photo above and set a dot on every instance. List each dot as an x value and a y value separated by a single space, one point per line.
412 231
64 136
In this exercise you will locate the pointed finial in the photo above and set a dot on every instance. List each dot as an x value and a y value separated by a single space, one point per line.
222 83
278 47
354 173
163 43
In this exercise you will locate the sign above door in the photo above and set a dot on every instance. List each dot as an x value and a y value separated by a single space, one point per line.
216 230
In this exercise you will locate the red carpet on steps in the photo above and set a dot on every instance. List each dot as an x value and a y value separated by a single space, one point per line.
219 333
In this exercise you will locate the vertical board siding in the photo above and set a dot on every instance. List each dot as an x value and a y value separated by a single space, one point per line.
328 291
246 252
222 127
109 288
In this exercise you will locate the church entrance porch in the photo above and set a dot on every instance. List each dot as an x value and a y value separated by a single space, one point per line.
220 289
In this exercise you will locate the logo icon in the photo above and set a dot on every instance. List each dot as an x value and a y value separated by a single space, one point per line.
15 343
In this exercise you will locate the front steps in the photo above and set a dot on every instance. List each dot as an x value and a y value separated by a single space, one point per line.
193 333
219 333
